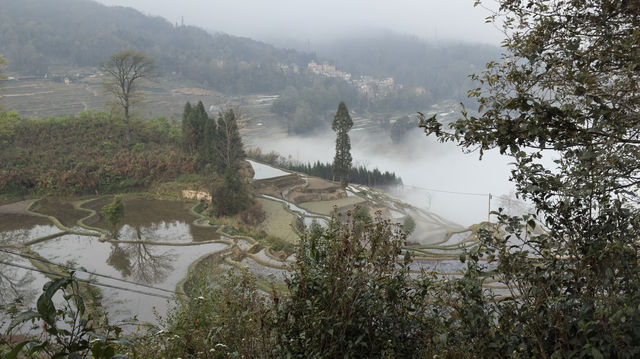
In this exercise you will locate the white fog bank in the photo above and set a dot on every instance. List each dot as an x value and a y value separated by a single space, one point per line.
428 169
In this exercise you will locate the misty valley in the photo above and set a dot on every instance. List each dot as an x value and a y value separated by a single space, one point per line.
340 180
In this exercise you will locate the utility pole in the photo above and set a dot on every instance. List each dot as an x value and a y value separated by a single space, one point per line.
489 211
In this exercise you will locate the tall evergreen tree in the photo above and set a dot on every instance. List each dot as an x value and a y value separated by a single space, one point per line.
229 148
187 130
198 132
342 123
209 141
199 119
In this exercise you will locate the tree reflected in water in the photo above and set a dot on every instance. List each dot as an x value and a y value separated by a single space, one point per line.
142 262
15 283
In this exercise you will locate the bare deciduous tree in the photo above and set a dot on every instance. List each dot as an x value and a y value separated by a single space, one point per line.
126 68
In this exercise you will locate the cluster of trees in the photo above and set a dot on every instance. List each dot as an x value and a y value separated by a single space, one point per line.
216 144
218 150
401 127
357 174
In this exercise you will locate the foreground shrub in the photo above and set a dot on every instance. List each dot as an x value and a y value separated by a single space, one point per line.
229 320
64 332
351 295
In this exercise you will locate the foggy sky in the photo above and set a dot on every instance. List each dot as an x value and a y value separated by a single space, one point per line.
320 20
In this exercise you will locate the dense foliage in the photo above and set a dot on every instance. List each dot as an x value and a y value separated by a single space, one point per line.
306 108
229 320
357 174
342 160
351 295
87 154
219 153
199 135
567 87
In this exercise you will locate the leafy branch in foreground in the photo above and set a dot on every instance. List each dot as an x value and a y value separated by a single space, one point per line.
566 88
66 331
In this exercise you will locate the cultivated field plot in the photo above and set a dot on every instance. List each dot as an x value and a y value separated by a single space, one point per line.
53 96
278 220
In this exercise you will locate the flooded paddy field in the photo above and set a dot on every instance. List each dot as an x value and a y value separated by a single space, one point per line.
165 251
137 274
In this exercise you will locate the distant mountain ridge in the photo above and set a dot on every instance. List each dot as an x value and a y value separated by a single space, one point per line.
38 34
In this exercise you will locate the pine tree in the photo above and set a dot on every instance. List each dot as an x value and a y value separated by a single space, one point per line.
187 129
199 133
342 123
210 141
199 120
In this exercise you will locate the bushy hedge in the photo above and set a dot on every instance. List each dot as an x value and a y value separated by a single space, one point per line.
86 154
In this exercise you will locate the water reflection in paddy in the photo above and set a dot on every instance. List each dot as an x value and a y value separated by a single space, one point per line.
154 220
162 266
18 228
17 282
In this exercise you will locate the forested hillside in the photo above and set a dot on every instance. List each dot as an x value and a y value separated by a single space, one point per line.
38 34
442 68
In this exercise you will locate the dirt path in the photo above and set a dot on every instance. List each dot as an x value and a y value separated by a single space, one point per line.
28 94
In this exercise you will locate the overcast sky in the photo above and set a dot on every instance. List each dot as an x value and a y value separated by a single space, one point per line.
321 19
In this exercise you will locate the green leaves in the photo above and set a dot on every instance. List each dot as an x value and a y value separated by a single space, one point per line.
45 306
71 339
566 82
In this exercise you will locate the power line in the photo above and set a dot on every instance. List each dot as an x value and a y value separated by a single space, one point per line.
89 272
450 192
86 280
469 194
43 260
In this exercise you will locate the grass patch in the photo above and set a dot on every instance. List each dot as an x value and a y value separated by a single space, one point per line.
326 207
278 221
